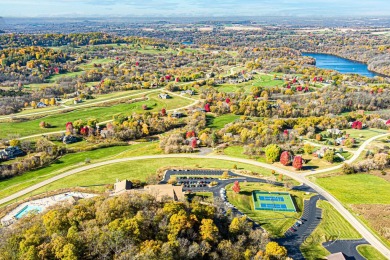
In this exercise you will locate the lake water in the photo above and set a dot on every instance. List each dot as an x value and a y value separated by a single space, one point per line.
327 61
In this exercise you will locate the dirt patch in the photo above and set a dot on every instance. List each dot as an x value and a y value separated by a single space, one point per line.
377 216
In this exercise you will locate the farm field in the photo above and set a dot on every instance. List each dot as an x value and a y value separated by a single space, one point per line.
275 222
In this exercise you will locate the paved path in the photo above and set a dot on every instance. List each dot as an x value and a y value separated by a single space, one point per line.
366 234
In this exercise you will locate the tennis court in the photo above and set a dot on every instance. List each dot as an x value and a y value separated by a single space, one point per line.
275 201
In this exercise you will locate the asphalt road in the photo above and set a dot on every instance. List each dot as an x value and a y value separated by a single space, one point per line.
312 218
366 234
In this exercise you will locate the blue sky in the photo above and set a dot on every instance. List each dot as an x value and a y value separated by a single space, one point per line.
48 8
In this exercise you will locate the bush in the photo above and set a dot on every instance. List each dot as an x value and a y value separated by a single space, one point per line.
318 137
347 169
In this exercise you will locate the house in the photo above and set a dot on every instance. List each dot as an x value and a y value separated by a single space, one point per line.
334 131
41 105
177 114
122 186
69 139
321 152
340 140
11 152
107 133
166 190
164 96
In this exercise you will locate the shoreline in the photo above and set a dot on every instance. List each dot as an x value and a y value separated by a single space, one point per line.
351 60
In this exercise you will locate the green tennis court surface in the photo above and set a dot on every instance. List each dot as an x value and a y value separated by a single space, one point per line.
275 201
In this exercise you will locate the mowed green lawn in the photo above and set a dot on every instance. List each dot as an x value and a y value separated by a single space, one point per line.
258 81
332 226
275 222
58 121
90 64
369 252
357 188
220 121
139 169
54 78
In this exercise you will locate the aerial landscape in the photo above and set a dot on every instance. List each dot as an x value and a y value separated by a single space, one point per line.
194 129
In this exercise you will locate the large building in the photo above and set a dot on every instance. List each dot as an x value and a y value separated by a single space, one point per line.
165 190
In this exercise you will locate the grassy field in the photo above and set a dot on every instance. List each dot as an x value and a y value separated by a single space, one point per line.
275 222
258 81
89 65
58 121
238 151
220 121
333 226
54 78
357 188
365 133
129 170
369 252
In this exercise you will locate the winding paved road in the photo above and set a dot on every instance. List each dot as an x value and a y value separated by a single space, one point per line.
366 234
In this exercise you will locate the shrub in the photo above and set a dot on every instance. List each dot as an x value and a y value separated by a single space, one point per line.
347 169
318 137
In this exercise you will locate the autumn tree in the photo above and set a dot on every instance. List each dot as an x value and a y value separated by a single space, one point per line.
274 251
285 158
272 153
298 162
329 155
236 187
14 142
208 230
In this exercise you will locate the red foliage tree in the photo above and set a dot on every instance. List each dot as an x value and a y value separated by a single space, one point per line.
227 100
177 79
357 125
190 134
298 162
163 112
285 158
194 143
207 107
236 187
84 130
388 122
69 127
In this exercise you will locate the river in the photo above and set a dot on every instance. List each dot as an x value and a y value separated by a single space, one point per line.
345 66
